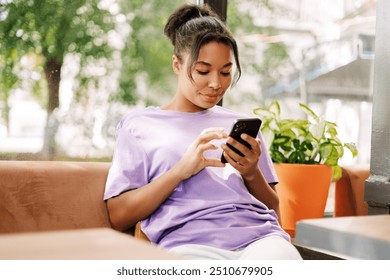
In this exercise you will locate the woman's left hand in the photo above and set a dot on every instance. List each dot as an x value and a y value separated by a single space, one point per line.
246 164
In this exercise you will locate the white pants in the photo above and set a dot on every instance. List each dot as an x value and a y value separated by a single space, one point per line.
268 248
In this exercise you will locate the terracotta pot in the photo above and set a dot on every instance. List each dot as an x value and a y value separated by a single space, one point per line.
303 192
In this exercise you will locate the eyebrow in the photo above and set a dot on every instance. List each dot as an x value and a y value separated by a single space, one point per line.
208 64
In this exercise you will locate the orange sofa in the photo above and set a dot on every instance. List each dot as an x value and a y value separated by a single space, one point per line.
51 209
349 192
46 195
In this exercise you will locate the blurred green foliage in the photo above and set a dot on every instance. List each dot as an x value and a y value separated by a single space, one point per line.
148 53
48 30
45 31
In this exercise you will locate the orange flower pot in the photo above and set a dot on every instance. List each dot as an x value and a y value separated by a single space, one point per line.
303 192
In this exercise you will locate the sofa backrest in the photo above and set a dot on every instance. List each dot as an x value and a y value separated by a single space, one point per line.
52 195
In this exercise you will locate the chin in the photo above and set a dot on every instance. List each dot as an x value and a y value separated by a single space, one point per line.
208 105
202 104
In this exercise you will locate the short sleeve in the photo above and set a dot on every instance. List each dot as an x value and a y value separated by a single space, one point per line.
265 163
129 168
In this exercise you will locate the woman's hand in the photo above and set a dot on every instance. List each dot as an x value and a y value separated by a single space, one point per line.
194 160
247 164
248 167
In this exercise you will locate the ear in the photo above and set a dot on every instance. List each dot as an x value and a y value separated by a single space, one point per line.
176 64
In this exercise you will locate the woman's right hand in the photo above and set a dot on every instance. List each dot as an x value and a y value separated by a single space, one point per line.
194 160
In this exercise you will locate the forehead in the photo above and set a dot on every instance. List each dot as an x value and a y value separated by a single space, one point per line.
215 53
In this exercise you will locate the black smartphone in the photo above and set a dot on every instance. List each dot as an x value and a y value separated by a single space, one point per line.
249 126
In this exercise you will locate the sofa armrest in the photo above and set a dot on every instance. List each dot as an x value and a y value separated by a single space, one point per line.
49 195
349 192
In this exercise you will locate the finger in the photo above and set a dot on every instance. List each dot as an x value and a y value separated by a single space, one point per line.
237 145
253 142
207 146
211 135
214 162
236 163
231 156
212 129
250 140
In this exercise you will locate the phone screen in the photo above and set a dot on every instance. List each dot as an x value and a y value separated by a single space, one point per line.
249 126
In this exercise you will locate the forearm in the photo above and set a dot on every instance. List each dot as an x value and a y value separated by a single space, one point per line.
132 206
259 188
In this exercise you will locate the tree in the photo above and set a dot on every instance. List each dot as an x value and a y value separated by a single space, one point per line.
8 82
51 29
147 55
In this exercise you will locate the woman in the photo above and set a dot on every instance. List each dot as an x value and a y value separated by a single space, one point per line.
166 169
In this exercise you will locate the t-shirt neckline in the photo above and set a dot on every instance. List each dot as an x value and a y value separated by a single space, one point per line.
179 113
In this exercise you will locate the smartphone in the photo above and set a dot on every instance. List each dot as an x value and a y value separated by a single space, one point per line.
249 126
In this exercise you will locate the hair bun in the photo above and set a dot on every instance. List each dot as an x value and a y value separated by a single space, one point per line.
184 14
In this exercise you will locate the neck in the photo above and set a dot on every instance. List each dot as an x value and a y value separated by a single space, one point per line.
182 106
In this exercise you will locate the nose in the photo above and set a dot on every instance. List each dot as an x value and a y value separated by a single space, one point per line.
215 82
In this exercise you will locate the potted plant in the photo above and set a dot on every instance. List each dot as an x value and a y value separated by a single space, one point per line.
306 154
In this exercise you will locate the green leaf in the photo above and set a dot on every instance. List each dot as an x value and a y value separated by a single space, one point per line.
277 156
309 112
296 144
302 157
317 130
308 145
280 140
352 148
275 108
286 148
333 157
294 157
332 133
325 150
337 172
265 113
273 125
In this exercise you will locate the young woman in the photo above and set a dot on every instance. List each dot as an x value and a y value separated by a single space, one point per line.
166 169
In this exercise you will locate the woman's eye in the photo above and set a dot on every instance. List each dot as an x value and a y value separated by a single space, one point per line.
202 72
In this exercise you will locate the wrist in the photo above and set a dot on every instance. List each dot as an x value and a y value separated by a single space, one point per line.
252 176
179 172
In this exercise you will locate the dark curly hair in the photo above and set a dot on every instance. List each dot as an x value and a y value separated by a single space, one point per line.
191 26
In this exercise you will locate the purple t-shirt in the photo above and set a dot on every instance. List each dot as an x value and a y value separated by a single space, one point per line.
211 208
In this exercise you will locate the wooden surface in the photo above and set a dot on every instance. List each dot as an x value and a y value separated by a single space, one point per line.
360 237
83 244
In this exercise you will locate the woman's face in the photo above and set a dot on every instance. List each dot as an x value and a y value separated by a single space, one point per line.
212 76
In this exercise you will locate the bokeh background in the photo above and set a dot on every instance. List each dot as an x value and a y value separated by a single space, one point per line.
71 69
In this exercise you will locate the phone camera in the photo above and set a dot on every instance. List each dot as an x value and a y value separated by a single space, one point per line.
240 127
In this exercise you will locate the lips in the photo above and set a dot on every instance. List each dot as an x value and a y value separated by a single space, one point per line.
212 94
212 98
